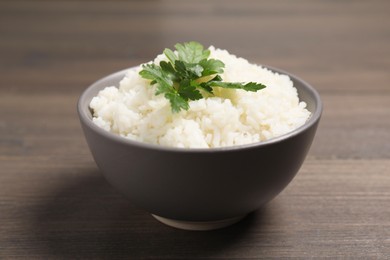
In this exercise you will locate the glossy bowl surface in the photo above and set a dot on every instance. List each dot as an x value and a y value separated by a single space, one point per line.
193 185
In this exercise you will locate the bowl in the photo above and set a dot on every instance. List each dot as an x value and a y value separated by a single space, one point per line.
199 189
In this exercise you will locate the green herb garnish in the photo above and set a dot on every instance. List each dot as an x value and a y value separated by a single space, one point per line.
189 75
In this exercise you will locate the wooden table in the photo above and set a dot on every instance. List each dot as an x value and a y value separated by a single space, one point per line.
54 203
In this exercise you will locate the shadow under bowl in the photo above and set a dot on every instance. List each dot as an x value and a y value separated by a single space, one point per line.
199 189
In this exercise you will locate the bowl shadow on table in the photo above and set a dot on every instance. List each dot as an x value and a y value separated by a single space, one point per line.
88 218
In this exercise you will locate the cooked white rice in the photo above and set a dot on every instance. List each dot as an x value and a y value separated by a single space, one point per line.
230 117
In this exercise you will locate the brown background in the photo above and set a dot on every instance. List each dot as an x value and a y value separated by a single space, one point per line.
55 204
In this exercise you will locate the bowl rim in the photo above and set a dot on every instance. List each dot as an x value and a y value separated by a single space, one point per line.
313 119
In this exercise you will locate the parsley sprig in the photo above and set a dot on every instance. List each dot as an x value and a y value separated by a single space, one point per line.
188 74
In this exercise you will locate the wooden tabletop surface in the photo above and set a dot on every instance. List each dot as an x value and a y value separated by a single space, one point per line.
54 203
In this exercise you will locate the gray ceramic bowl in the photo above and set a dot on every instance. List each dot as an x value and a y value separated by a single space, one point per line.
199 188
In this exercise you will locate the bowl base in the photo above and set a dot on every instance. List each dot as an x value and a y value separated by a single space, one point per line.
198 225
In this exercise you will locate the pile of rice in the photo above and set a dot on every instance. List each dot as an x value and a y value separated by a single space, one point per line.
230 117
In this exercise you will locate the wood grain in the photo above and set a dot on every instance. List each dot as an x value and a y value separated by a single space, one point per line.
55 204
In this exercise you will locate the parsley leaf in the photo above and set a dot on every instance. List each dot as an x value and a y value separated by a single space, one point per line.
189 91
211 67
159 76
191 52
170 55
177 102
251 86
187 74
188 70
